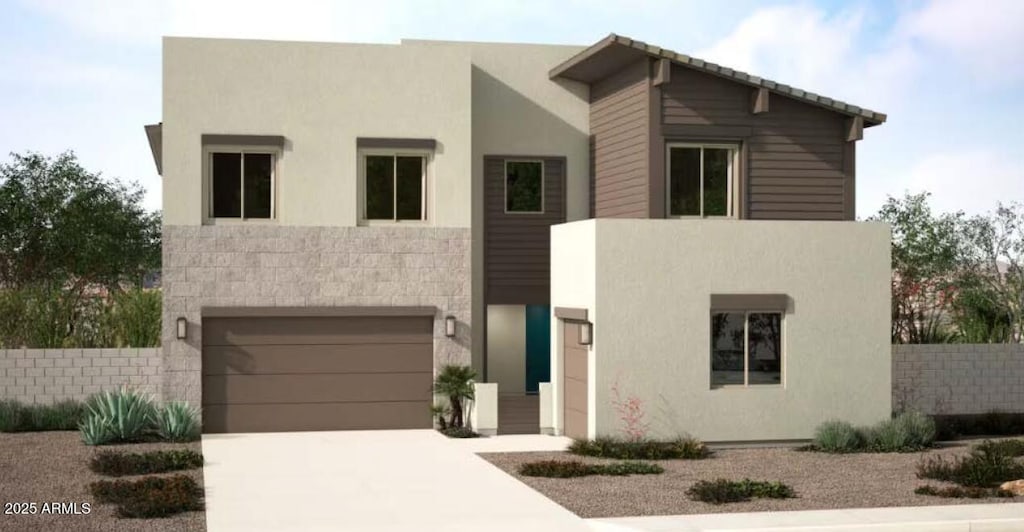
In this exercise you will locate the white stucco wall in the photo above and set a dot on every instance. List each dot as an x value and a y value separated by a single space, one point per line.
573 284
320 97
506 347
653 281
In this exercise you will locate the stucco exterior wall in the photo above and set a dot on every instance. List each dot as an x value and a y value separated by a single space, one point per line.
320 97
238 265
653 282
574 285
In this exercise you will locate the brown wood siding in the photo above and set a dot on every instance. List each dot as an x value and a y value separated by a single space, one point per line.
575 375
796 154
269 374
619 127
517 254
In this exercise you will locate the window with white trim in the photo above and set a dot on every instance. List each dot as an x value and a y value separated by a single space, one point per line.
746 348
700 179
241 183
394 186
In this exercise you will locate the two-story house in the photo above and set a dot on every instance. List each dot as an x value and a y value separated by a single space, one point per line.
619 221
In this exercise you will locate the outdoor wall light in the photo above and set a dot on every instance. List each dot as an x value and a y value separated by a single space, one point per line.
586 333
449 326
182 328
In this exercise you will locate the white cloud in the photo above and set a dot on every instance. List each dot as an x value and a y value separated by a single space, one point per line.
984 37
971 179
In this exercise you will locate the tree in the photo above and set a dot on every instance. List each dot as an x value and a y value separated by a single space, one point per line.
64 226
993 260
456 384
926 253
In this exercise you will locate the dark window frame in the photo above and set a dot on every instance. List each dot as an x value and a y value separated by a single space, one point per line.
209 151
425 163
746 346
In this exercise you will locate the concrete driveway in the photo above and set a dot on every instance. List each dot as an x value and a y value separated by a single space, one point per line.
373 481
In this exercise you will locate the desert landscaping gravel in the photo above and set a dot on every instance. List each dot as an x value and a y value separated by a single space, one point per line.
48 467
821 481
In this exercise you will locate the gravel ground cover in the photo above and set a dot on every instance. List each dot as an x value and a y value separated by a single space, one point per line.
53 467
821 481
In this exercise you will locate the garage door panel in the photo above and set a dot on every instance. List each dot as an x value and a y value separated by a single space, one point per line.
319 388
316 330
309 417
351 358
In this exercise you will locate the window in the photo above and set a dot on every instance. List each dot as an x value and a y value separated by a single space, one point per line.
395 187
700 181
241 184
524 186
746 348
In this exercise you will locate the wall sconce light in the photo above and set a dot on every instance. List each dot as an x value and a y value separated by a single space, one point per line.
586 333
182 328
449 326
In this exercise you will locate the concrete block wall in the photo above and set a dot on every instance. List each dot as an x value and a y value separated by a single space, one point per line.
47 375
948 379
271 265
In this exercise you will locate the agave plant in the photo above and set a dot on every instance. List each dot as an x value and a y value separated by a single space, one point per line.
127 414
96 431
177 421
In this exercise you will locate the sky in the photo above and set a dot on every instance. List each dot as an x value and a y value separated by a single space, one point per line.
85 75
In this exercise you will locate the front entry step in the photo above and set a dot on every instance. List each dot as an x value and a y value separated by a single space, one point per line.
518 414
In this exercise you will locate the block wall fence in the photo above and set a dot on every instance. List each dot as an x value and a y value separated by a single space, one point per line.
945 379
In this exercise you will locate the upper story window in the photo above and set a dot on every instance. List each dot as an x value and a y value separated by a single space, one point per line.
394 186
241 184
524 186
700 179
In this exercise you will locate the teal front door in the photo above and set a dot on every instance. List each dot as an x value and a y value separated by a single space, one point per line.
538 346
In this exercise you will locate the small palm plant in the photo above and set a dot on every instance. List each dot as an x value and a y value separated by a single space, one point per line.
456 383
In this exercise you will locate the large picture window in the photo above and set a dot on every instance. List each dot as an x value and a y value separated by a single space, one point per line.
241 184
746 348
524 186
395 187
700 179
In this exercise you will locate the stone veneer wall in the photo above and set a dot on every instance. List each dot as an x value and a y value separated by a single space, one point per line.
269 265
949 379
47 375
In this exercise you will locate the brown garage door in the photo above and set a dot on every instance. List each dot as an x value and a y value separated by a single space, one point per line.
270 374
575 382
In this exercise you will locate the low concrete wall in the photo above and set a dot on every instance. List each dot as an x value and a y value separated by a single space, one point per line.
483 410
48 375
950 379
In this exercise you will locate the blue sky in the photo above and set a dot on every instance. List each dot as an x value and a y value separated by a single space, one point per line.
86 75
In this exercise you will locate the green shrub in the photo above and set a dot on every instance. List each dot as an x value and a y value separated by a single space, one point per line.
838 437
907 432
957 492
124 414
117 463
618 469
459 432
721 491
622 449
985 467
17 417
150 496
177 421
1008 447
575 468
10 416
136 317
